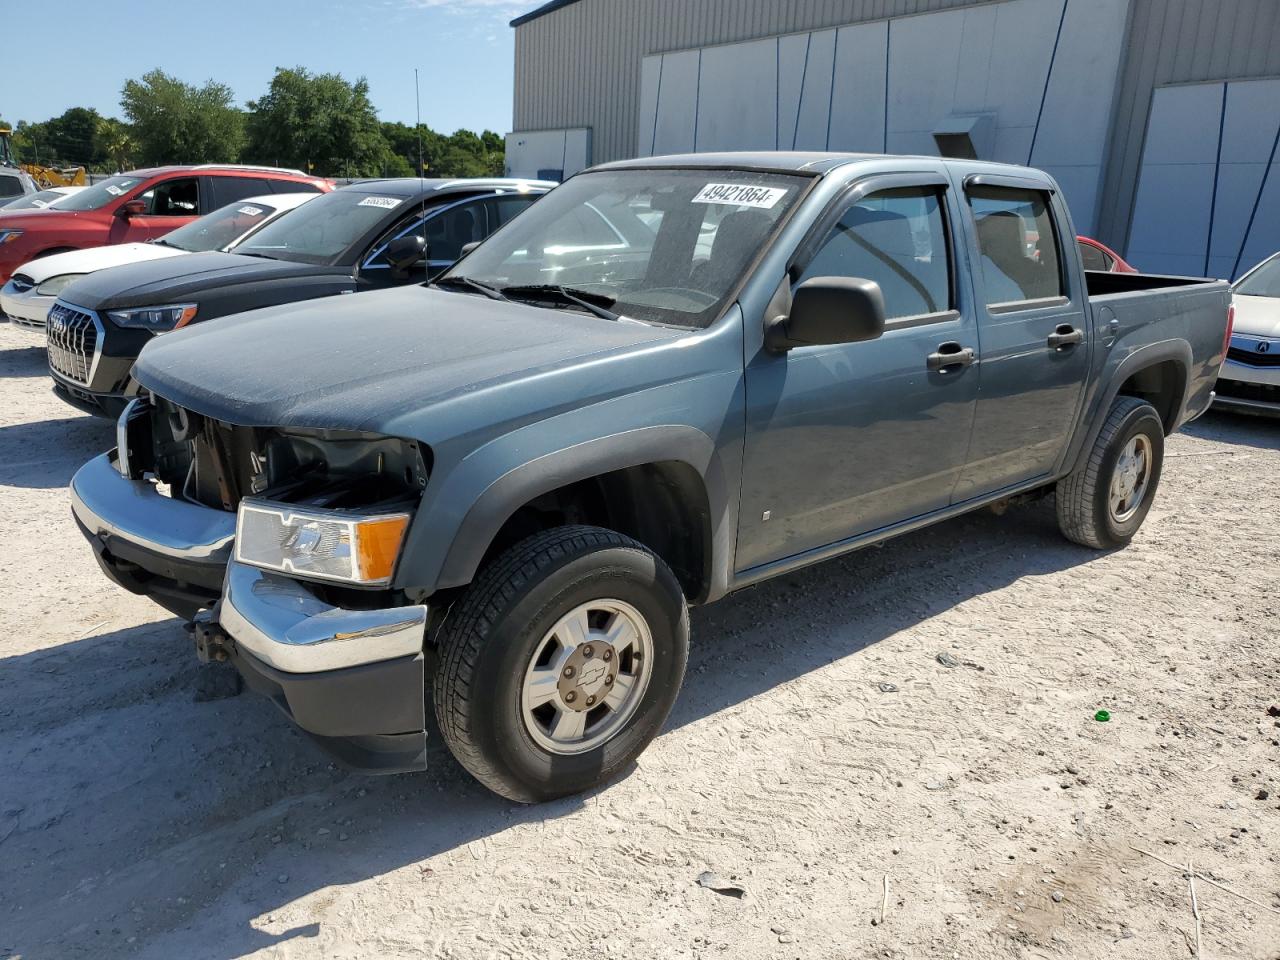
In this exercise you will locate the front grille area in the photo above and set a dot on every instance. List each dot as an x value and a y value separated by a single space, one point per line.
1257 392
73 341
1253 358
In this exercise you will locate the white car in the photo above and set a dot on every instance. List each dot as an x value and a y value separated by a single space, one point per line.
1250 378
40 200
34 286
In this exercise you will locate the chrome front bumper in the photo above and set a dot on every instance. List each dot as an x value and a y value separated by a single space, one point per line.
283 624
275 618
110 506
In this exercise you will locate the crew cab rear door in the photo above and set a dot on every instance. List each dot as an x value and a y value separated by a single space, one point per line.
849 438
1031 306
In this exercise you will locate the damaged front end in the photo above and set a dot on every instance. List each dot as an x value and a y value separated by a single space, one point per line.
305 608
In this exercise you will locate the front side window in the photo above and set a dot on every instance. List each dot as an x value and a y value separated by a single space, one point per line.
219 229
898 238
1020 259
1263 281
660 245
174 198
100 194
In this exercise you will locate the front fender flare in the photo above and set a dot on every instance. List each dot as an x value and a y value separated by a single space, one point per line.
502 497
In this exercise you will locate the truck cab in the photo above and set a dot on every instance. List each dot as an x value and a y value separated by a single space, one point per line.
497 494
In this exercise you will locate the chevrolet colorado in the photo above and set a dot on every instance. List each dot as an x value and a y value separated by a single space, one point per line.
497 494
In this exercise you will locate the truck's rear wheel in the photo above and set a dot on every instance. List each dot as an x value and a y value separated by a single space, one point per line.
561 662
1103 502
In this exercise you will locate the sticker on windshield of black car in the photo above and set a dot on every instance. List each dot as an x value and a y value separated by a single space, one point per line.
250 211
385 202
740 195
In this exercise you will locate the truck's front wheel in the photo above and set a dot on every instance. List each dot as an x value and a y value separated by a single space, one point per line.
561 662
1103 502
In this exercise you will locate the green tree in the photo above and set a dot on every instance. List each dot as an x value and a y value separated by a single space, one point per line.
71 137
463 154
322 123
115 144
175 122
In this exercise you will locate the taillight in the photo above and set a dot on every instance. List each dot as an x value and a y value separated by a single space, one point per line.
1231 322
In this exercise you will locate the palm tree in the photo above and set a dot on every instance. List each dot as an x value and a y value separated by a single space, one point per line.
115 139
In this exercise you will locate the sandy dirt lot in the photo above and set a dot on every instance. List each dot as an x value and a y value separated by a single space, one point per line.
819 755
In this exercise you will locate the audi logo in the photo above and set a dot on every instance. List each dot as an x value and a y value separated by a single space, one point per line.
1264 346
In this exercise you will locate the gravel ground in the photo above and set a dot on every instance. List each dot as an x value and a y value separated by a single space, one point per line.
845 792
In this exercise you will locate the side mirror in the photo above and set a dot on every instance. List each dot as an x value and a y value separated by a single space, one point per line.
828 310
132 208
403 253
468 247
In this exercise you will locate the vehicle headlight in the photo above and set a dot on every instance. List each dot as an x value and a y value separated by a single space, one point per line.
7 235
320 544
155 319
55 285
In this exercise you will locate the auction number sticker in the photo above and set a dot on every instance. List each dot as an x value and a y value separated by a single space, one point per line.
114 190
250 211
740 195
385 202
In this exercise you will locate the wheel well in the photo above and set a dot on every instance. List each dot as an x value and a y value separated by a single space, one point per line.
662 505
1163 385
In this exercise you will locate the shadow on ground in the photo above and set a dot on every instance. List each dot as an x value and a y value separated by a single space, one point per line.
47 453
127 810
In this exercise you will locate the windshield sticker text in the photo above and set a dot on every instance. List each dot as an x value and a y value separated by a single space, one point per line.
114 190
740 195
250 211
385 202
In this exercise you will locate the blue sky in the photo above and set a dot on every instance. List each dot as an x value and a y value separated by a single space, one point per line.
463 49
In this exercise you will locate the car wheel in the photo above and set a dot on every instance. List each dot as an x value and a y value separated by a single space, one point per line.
560 662
1103 502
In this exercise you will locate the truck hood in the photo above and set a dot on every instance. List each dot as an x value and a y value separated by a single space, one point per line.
374 361
1257 316
94 258
177 279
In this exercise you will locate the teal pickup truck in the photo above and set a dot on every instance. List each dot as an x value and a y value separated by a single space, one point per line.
496 495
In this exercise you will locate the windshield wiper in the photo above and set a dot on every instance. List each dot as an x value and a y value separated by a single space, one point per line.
597 303
493 293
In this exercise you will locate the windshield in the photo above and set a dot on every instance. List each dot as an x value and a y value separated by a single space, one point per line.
219 229
1264 281
100 194
325 229
34 201
661 245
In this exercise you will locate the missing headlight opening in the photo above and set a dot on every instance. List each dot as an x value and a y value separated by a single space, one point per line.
217 464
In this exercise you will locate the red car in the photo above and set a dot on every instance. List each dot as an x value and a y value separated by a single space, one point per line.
1098 256
140 205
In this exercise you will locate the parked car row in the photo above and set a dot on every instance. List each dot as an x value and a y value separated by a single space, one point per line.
504 479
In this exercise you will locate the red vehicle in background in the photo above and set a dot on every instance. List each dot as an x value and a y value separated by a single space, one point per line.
136 206
1098 256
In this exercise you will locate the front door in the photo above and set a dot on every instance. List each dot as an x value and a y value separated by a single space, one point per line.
846 439
1035 346
170 204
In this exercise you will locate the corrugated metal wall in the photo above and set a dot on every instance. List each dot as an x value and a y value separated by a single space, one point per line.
580 66
1179 41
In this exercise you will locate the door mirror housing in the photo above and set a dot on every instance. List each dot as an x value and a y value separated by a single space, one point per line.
131 208
468 247
829 310
403 253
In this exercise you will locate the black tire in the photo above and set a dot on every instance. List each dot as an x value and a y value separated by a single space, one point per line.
1083 497
492 632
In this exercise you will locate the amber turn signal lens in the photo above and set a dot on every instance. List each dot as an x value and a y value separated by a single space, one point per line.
378 546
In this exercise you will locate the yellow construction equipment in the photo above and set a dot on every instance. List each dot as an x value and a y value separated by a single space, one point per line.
44 177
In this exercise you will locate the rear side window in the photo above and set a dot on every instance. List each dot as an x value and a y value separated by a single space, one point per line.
1020 255
10 187
1093 258
292 186
502 209
230 189
898 238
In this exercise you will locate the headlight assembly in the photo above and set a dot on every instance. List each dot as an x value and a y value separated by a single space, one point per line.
155 319
55 285
320 544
